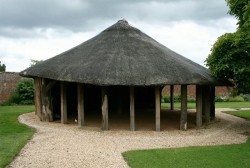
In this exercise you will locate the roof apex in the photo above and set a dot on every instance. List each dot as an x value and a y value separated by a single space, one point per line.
122 55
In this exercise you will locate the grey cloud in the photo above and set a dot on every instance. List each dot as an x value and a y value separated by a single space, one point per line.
84 15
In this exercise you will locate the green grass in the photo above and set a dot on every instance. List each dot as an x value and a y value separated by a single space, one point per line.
235 156
217 105
240 113
206 157
13 135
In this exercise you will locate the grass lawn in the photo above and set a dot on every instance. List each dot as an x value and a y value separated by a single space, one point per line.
217 105
236 155
206 157
240 113
13 135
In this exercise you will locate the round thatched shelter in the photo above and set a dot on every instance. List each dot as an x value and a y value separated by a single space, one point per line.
122 65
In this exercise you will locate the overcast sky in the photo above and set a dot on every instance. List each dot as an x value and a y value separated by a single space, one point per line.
41 29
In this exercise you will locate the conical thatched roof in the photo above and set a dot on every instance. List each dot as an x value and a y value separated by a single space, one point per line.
121 55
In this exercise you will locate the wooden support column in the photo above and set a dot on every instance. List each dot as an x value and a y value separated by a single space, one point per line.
171 97
63 103
206 103
80 98
132 109
105 120
38 100
212 102
46 99
198 105
157 108
183 122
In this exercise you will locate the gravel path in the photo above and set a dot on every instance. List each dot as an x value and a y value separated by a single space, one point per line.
57 145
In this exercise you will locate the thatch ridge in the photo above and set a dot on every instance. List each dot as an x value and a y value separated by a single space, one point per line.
122 55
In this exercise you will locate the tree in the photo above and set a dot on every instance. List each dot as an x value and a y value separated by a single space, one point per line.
230 55
35 62
2 67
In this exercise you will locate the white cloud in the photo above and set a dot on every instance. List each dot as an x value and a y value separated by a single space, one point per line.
28 31
17 53
188 38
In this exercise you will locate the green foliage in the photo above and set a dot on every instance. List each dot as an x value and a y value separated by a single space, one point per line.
240 9
228 60
218 99
13 135
231 52
24 93
35 62
2 67
166 99
246 97
25 89
235 99
230 99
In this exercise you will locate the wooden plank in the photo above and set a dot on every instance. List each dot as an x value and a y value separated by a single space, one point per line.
80 105
206 103
132 109
198 105
105 120
212 102
183 122
63 103
157 109
171 97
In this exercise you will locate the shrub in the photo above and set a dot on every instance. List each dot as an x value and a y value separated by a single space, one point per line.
24 93
177 98
246 97
27 102
166 99
235 99
218 99
191 100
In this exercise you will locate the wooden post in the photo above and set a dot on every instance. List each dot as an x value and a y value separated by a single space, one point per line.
183 122
46 100
198 105
206 103
171 97
212 102
157 108
80 98
38 101
104 109
132 109
63 103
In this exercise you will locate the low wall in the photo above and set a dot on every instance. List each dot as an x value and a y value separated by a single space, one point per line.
219 90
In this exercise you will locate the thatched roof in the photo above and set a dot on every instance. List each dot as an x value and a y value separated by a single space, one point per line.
121 55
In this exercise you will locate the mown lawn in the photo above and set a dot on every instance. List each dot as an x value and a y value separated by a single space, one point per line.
240 113
217 105
13 135
235 156
223 156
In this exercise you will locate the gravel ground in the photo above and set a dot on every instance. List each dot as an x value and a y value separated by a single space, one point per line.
57 145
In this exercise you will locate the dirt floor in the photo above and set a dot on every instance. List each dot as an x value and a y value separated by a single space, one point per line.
144 120
58 145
